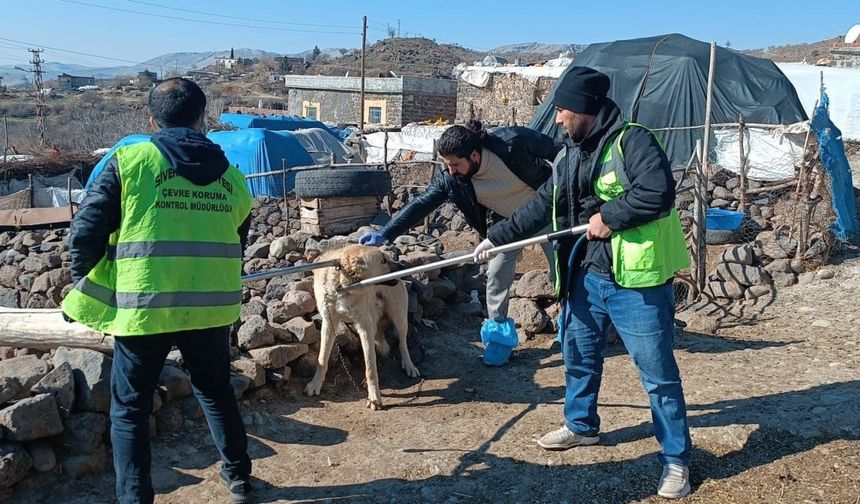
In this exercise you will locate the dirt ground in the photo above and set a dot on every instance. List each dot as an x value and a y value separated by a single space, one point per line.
773 402
774 406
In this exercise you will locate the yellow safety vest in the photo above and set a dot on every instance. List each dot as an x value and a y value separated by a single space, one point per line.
175 263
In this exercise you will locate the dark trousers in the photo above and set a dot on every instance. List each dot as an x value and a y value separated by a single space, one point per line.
136 367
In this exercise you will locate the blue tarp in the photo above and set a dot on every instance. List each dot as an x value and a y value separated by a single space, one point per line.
257 150
831 150
253 150
278 123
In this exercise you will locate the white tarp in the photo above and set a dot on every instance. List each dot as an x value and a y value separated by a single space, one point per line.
412 137
773 154
842 86
480 75
321 144
47 191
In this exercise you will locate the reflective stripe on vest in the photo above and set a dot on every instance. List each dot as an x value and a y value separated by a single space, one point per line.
649 254
175 263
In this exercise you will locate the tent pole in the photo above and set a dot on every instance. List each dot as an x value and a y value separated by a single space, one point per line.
699 264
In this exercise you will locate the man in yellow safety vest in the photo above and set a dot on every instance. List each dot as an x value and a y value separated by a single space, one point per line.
157 248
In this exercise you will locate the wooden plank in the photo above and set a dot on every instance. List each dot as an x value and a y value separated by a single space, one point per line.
339 213
325 203
35 217
46 329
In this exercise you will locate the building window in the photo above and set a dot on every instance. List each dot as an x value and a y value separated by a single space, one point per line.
374 111
374 115
311 110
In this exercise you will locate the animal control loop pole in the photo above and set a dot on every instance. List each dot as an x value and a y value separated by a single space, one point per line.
537 240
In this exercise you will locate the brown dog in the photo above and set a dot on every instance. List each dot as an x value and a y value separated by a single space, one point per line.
368 309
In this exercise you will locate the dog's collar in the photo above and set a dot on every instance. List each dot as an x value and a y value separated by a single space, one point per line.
390 283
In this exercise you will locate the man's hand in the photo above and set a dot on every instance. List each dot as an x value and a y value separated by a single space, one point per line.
597 230
480 253
372 239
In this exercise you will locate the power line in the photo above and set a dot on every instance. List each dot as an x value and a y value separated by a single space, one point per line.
237 17
74 52
201 21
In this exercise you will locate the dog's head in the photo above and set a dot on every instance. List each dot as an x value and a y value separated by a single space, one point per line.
358 262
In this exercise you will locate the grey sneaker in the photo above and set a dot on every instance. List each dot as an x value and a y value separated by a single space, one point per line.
240 490
563 438
674 482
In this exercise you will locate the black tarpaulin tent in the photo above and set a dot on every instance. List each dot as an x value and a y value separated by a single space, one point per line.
662 82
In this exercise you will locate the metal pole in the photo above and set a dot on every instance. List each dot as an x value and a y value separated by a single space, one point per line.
468 257
263 275
363 51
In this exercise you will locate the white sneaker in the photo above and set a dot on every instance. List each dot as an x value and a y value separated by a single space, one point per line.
564 438
674 482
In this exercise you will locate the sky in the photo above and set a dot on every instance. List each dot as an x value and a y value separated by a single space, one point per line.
121 32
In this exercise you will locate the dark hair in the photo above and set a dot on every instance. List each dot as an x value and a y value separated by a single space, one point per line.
177 102
461 141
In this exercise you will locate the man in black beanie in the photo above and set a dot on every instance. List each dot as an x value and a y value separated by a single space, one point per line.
614 176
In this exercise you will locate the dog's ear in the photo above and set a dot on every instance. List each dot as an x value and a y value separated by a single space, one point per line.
353 265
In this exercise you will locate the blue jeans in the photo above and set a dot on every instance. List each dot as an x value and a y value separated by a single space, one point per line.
644 319
136 367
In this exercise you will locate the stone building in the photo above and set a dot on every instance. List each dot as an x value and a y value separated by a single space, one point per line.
388 101
503 96
847 53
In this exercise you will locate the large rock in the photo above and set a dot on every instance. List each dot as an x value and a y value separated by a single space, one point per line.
742 254
251 369
85 465
300 301
303 331
85 433
169 419
60 383
779 266
55 278
255 306
92 377
258 250
729 290
240 384
18 375
32 418
535 284
278 312
782 279
282 246
9 276
527 315
743 274
9 298
15 463
44 458
175 382
443 288
35 264
770 247
278 356
255 333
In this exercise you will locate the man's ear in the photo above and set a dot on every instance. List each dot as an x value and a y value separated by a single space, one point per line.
475 156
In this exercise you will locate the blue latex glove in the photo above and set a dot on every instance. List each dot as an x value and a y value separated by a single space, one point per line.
372 239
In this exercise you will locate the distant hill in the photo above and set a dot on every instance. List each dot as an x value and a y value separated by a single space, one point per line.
549 50
183 61
810 53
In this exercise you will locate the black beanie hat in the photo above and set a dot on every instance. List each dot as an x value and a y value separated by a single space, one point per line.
582 90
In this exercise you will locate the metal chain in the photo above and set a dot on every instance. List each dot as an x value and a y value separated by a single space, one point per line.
342 360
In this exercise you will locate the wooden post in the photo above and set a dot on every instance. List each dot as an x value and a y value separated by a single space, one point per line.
363 51
30 181
700 251
385 151
743 165
5 137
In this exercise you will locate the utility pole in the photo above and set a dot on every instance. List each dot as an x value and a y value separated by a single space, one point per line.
37 72
398 28
363 51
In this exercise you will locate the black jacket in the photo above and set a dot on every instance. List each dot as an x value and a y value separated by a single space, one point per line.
524 151
189 152
651 196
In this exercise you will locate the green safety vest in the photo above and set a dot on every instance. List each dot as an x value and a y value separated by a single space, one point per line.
175 263
644 256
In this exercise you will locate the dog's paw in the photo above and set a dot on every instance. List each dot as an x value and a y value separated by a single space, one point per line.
411 370
313 388
375 405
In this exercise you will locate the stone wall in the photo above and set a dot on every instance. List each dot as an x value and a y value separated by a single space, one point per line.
343 106
507 99
418 108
